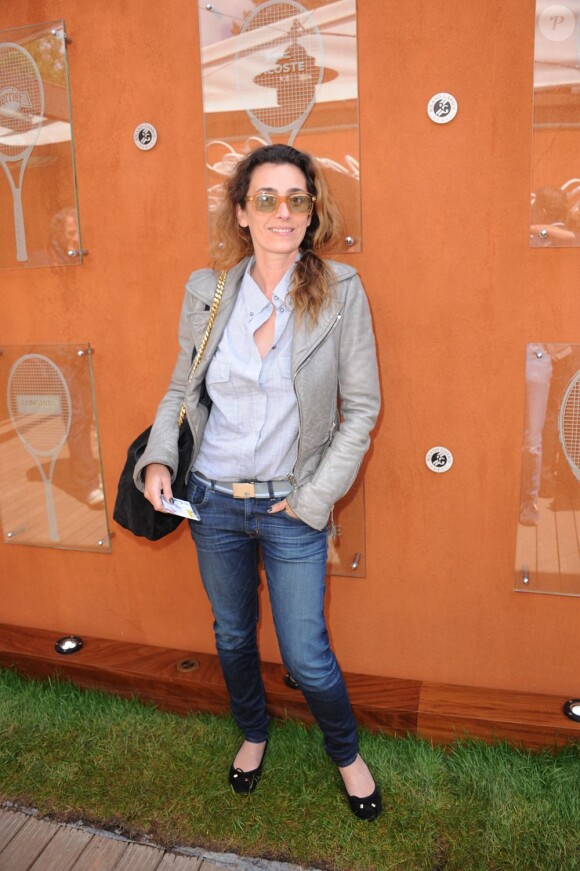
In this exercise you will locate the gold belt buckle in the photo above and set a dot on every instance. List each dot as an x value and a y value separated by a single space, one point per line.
244 490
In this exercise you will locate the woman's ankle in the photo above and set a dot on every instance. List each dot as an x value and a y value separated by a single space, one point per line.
357 778
250 755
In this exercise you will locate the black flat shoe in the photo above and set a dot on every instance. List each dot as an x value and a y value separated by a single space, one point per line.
366 808
245 782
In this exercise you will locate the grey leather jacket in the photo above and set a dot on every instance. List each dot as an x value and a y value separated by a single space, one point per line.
333 360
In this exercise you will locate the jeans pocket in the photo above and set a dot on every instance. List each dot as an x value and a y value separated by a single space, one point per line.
197 494
291 517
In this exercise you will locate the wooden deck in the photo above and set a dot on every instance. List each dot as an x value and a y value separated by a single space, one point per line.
550 552
31 844
22 501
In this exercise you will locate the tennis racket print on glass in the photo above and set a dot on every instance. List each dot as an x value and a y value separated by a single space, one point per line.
21 117
569 424
40 408
279 67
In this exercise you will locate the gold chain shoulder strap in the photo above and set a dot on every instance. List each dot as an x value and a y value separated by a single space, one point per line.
201 350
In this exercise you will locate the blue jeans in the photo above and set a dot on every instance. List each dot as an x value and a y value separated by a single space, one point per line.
229 539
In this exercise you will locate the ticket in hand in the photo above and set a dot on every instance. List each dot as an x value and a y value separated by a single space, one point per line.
181 507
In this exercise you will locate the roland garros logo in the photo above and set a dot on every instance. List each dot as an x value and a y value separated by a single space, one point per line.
12 101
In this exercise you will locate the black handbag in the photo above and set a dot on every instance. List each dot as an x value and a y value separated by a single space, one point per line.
132 510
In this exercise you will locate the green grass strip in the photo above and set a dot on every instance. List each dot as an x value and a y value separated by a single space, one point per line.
118 763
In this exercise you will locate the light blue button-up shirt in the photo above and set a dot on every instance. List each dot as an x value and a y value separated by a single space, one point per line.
252 431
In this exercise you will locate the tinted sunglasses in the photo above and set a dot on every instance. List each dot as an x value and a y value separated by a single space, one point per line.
297 203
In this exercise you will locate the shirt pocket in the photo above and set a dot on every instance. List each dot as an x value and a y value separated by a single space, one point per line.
217 373
284 365
227 408
277 374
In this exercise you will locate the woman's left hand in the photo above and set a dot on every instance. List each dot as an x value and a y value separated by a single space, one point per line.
282 506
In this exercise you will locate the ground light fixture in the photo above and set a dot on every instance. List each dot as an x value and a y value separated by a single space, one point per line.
69 644
572 709
190 664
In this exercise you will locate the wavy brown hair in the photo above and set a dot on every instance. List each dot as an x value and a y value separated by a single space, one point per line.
313 281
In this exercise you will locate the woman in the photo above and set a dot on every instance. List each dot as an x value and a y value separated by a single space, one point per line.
272 456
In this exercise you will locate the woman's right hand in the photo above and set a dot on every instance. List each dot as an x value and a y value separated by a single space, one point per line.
157 481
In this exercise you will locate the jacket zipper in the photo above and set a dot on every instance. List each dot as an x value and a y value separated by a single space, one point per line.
291 476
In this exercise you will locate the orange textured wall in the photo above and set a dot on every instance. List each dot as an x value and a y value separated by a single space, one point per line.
455 294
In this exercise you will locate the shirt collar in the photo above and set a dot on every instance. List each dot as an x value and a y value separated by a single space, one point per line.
254 299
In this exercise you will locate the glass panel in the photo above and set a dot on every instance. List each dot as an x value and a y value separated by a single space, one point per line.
346 551
548 535
283 72
555 206
51 483
39 223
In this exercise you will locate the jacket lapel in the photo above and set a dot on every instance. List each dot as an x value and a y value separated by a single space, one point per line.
205 292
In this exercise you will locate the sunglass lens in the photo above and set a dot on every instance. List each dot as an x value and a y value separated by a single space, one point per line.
266 203
299 203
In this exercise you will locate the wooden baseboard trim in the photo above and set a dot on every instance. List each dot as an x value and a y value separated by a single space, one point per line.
438 712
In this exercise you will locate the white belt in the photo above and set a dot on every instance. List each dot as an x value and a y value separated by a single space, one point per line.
247 489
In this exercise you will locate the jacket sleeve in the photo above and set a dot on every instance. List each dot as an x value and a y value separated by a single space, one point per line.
162 444
359 394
